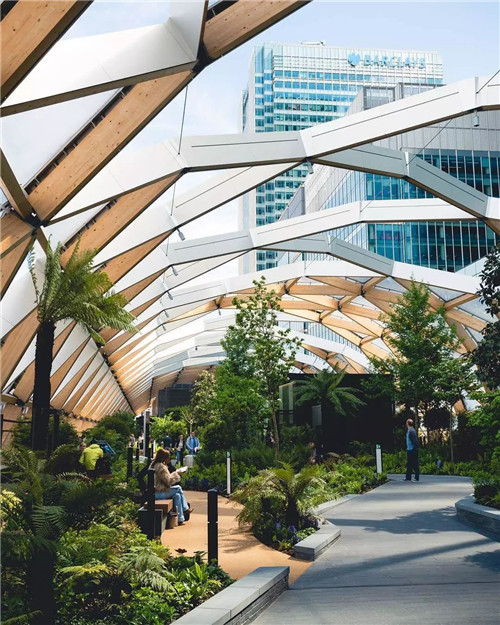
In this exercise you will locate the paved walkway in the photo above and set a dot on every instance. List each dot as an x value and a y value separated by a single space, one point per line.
240 552
403 559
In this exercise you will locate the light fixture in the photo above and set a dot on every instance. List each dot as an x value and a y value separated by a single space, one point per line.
181 236
170 295
310 169
25 410
475 120
174 271
2 406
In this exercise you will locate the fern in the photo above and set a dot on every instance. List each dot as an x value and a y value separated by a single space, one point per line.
48 521
23 619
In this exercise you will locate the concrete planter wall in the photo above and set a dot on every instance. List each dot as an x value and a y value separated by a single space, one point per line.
481 517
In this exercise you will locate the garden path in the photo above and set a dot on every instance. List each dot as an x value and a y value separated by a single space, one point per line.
240 552
403 558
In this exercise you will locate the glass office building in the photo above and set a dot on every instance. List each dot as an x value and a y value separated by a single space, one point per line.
292 87
467 148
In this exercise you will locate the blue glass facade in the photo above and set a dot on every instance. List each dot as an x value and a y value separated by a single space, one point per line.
292 87
449 246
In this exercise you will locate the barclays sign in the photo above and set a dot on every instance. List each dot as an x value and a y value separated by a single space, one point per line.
367 60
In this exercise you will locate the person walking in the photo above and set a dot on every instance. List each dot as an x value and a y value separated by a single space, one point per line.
193 444
411 452
166 442
179 449
166 484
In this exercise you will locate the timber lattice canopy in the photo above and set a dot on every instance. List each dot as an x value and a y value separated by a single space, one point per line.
95 191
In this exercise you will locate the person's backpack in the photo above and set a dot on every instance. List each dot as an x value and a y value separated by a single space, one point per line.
103 466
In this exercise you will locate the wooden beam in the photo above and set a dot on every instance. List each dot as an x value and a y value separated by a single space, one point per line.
242 20
461 299
468 342
28 31
108 224
108 333
12 413
120 358
13 232
129 347
58 376
75 398
11 187
16 342
138 287
11 263
95 150
65 391
345 286
355 365
121 264
24 388
362 311
453 316
85 398
117 342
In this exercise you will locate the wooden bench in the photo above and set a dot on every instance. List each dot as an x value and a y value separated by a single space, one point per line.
165 505
163 508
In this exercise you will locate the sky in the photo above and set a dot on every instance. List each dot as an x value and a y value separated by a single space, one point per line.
466 34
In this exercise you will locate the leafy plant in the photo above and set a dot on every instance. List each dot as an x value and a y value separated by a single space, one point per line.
325 387
487 354
256 347
286 493
75 292
423 370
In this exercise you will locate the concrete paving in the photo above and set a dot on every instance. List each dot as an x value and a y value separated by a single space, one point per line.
403 558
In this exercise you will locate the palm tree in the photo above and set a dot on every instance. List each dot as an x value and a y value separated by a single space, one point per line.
76 292
325 387
291 494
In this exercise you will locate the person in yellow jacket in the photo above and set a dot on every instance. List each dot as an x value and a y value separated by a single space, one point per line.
89 457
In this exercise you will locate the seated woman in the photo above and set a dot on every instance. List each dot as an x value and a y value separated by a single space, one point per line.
166 484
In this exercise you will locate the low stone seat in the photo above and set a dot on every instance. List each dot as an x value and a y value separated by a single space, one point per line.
314 545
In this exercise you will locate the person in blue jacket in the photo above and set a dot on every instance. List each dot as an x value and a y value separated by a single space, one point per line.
411 452
192 444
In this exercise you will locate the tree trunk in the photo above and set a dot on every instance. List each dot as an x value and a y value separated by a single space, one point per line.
40 582
276 437
451 439
41 390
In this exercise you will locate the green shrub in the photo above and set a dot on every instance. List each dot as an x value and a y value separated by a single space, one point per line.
487 489
121 576
64 459
21 433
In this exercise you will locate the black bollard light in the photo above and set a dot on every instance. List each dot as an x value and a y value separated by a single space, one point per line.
130 458
137 452
213 537
151 504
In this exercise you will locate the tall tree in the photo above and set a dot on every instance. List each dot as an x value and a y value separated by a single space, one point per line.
256 346
487 355
453 378
422 344
324 388
78 293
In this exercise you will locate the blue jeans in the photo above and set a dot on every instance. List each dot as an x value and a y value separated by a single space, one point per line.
176 493
178 455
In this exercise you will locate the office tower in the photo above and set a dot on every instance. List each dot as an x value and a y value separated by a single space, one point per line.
467 148
292 87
